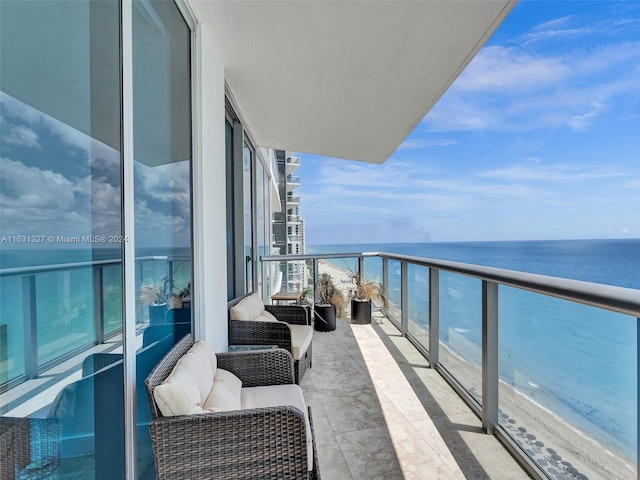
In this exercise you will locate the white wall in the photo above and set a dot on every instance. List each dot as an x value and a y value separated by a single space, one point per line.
210 283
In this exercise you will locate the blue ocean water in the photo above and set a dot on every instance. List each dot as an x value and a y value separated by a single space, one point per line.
576 361
610 262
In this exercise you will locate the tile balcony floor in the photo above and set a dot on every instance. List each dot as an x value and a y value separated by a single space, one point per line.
380 412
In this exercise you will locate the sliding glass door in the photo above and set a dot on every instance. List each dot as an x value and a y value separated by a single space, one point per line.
60 248
162 192
62 286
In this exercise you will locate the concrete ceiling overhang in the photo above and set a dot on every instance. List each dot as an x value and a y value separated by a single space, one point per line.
345 79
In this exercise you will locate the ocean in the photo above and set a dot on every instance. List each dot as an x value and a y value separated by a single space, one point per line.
576 361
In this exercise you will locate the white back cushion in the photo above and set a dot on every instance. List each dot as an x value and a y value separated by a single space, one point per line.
248 308
185 390
225 394
268 317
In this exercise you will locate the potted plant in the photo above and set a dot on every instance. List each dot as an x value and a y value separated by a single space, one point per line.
182 299
331 302
363 293
156 296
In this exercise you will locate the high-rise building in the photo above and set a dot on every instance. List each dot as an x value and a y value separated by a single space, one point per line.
288 225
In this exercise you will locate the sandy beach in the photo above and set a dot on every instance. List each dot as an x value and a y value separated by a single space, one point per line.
557 447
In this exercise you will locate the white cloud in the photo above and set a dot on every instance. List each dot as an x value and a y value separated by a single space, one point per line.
31 187
556 29
515 89
498 68
533 171
20 136
168 184
492 190
634 184
34 119
418 143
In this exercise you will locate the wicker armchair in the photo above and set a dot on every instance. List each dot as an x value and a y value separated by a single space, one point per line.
246 332
264 443
29 447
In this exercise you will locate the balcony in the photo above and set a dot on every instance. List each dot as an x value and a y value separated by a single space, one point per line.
417 391
292 164
440 334
291 200
292 183
379 411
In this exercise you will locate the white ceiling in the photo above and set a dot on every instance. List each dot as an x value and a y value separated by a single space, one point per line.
346 79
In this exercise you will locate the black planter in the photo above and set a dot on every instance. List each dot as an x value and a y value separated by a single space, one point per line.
324 317
360 311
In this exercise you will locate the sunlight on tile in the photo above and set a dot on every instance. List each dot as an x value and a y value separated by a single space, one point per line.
43 399
418 458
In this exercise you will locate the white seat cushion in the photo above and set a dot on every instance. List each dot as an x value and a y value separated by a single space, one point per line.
301 336
277 395
249 308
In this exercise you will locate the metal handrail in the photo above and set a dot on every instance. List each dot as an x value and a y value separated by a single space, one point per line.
28 276
617 299
35 269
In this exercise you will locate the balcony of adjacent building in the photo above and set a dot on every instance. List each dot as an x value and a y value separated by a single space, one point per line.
291 200
292 164
292 183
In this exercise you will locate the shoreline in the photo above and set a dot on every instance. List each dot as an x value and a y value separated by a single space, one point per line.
552 442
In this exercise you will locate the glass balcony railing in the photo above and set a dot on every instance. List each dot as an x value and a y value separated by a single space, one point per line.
293 180
550 365
51 313
292 200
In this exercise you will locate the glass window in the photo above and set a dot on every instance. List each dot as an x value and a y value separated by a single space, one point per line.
60 229
162 191
260 223
247 192
231 250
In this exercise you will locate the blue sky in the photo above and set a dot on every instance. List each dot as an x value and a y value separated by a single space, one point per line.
539 138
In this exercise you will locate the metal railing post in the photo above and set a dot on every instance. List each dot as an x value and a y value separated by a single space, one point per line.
30 316
98 304
434 317
404 299
315 278
385 284
489 356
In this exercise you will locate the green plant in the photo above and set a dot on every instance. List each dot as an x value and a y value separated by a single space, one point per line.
367 290
307 296
185 292
156 293
328 293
